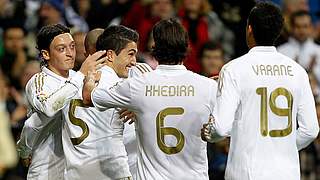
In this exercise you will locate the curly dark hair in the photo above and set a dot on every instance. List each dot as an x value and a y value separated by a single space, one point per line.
267 22
48 33
171 42
116 38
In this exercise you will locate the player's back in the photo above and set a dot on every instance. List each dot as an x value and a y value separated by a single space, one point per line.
271 90
171 105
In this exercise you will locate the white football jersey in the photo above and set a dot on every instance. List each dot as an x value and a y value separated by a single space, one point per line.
261 97
129 133
93 140
47 94
171 104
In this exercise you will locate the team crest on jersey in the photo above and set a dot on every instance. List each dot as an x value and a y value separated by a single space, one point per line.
42 96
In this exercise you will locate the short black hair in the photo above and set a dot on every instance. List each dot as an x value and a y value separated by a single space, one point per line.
48 33
171 42
298 14
267 22
116 38
210 45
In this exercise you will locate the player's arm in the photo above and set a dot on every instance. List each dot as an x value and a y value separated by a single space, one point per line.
29 135
50 101
208 133
308 127
139 69
103 98
228 98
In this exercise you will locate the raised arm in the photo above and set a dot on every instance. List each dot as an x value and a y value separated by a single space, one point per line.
103 98
50 101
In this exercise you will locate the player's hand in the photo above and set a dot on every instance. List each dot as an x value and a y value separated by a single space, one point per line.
90 82
92 62
127 115
205 131
26 161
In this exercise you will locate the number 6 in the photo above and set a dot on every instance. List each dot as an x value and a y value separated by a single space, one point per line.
163 131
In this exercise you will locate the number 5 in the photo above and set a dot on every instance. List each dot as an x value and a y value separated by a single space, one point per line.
163 131
77 121
276 110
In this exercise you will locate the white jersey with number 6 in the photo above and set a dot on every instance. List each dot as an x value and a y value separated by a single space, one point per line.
171 104
261 97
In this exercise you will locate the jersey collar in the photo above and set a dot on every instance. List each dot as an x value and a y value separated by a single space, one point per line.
54 75
263 49
170 69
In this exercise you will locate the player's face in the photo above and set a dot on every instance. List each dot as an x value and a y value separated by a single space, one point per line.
125 60
62 54
302 28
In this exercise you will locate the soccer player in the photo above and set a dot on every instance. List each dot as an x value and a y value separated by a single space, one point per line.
265 103
47 93
90 41
93 140
171 103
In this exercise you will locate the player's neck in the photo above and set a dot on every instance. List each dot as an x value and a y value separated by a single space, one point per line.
108 63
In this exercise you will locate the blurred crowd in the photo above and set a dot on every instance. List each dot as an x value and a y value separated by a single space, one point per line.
216 32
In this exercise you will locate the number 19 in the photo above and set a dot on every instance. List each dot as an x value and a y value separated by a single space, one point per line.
287 112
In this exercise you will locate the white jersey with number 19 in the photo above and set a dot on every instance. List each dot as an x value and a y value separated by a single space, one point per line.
261 97
171 104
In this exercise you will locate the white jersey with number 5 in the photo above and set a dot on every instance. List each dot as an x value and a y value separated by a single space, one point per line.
47 93
261 97
93 140
171 104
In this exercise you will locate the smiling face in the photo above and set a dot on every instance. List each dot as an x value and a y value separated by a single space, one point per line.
125 59
61 54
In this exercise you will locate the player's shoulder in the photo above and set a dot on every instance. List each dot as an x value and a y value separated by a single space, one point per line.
37 81
202 79
235 63
291 62
140 69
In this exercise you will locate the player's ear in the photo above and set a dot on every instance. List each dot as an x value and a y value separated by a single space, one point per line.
45 55
110 55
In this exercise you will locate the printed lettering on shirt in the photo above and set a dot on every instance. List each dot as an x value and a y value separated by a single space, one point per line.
169 90
272 70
